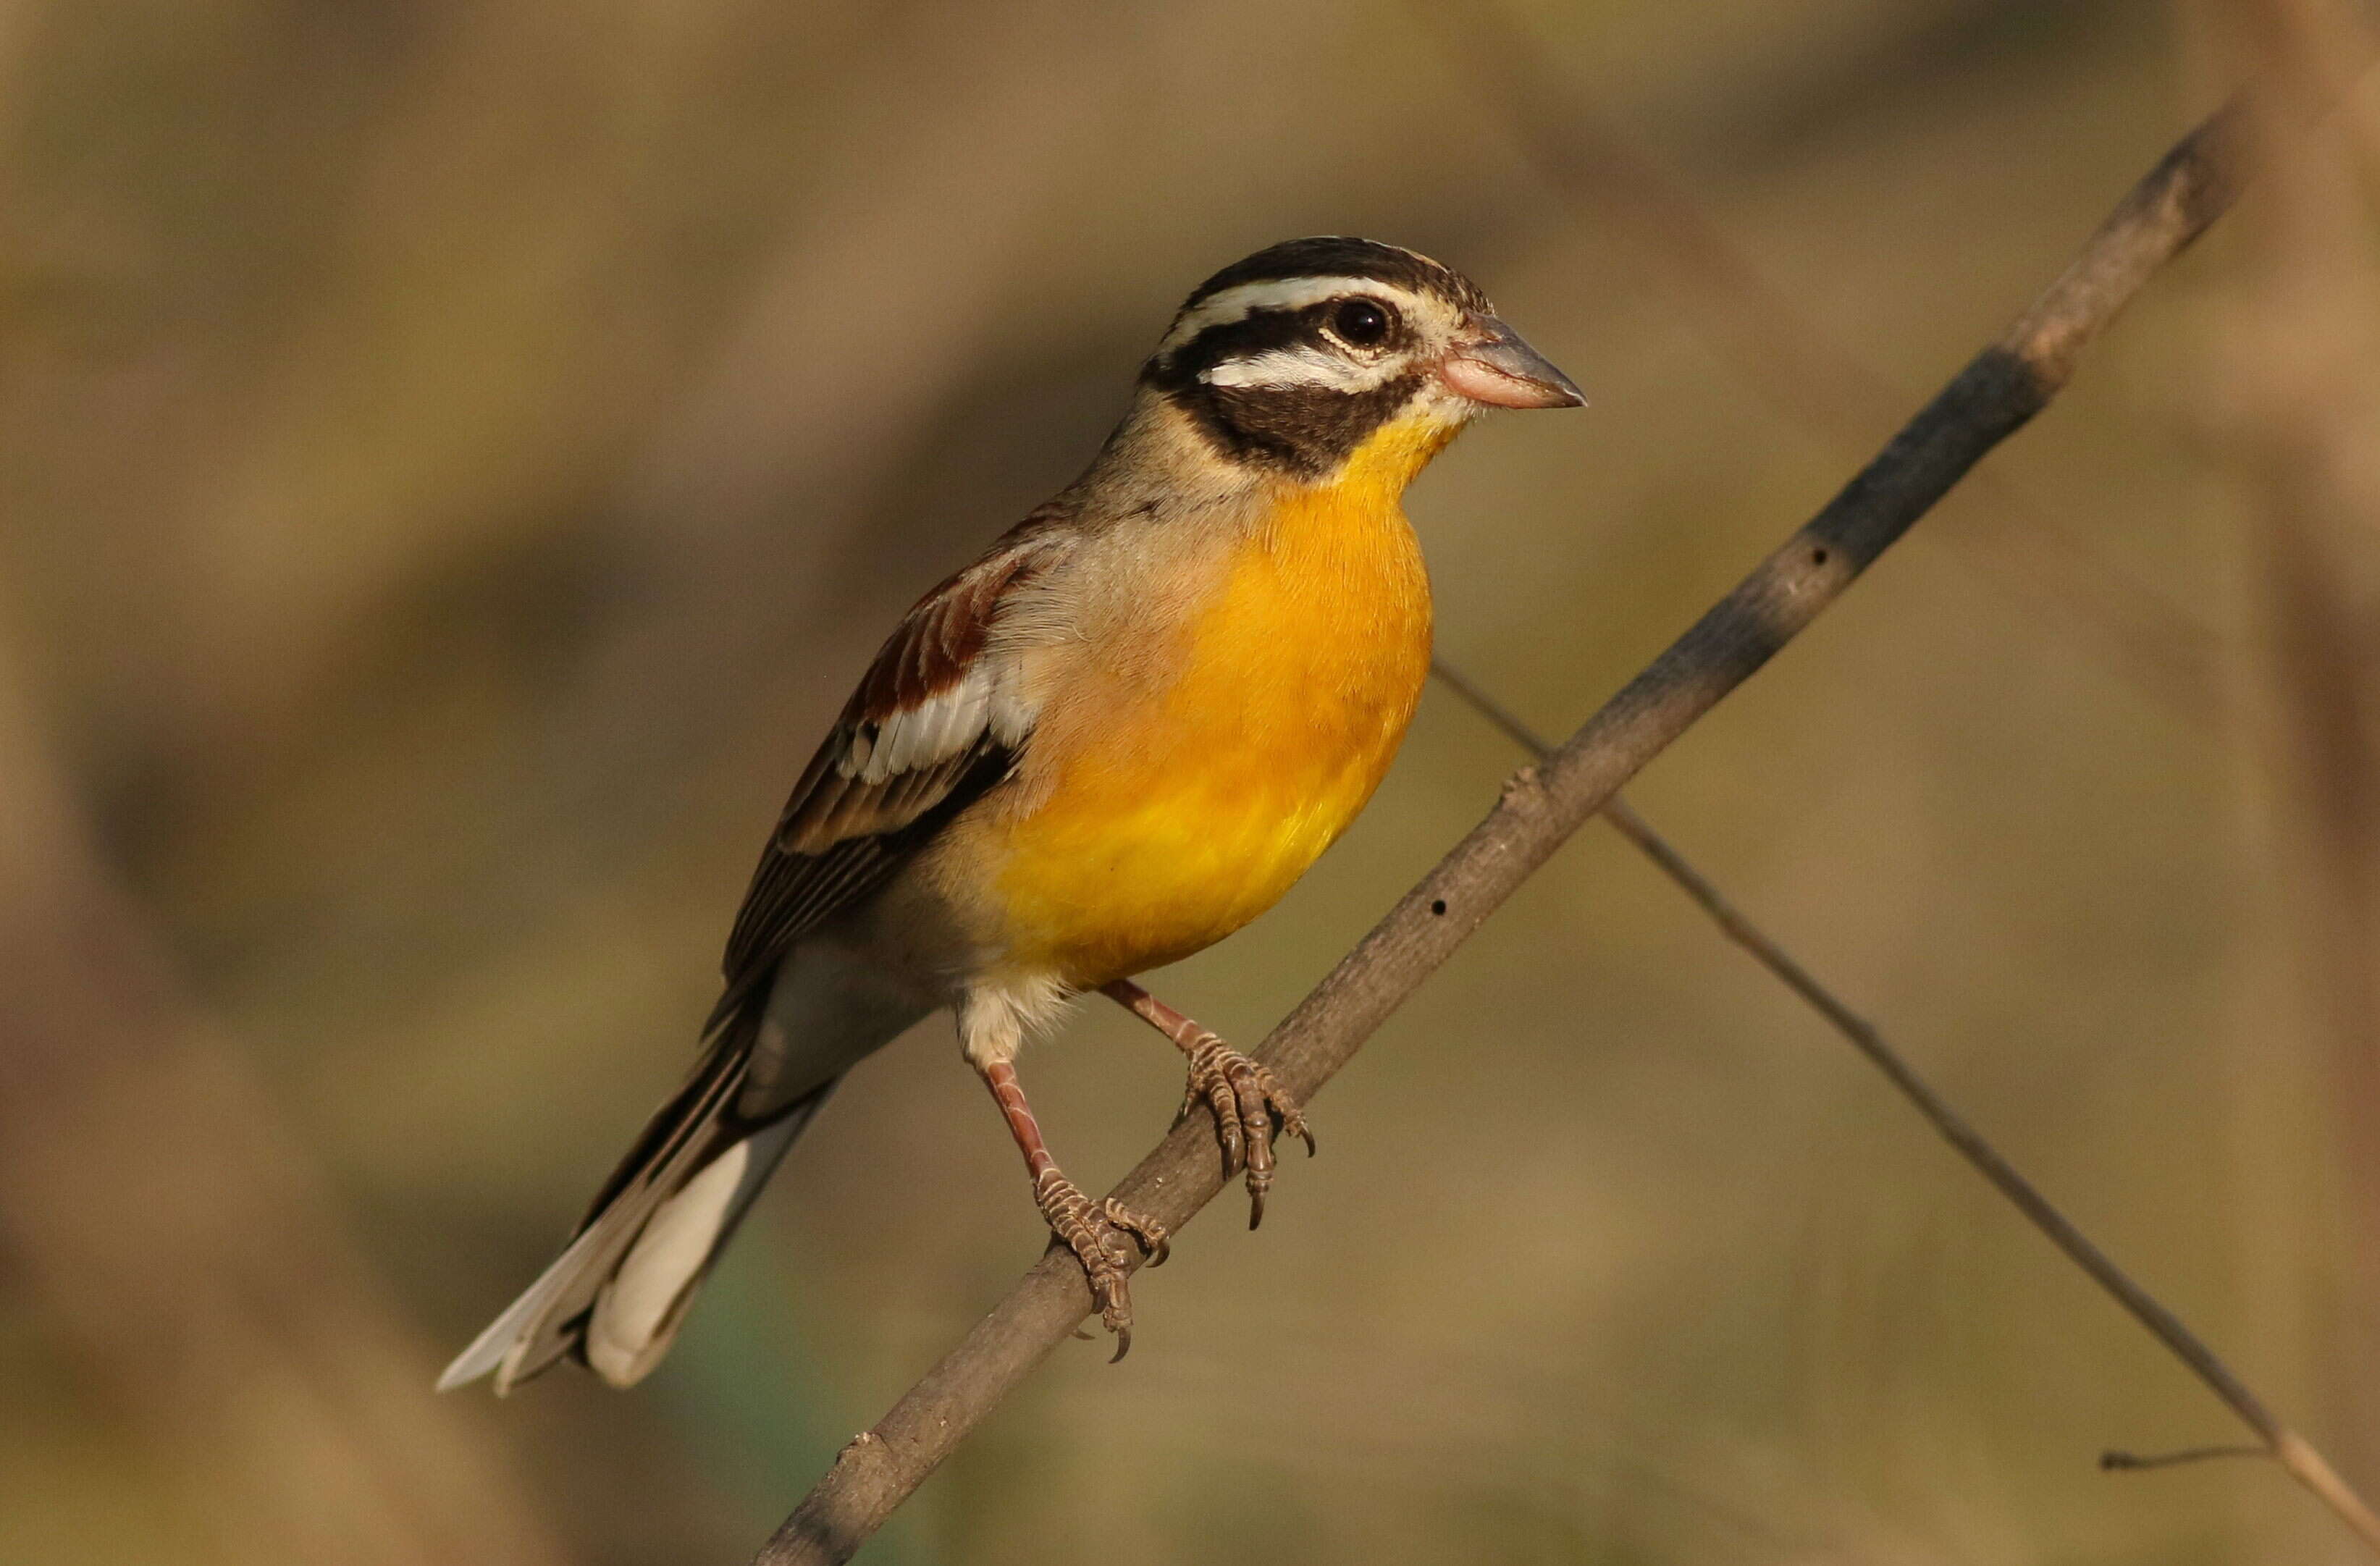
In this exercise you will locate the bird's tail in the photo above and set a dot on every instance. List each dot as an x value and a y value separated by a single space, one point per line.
616 1296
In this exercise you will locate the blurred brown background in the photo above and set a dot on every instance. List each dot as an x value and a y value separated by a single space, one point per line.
454 458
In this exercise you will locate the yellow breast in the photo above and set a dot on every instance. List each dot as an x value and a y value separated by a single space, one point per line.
1179 823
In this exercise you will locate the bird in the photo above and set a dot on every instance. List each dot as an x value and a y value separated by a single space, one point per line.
1115 738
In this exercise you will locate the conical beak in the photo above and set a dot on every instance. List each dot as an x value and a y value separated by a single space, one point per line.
1494 367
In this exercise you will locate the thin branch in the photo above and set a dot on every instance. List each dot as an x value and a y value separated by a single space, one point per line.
2309 1466
1542 806
2135 1463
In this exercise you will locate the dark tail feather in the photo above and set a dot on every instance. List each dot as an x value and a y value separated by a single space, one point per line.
616 1296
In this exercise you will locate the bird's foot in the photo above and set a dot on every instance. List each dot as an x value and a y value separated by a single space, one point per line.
1245 1100
1101 1234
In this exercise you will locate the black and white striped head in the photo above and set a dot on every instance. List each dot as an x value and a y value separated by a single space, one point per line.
1295 357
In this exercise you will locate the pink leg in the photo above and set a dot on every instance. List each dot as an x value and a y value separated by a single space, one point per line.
1100 1234
1243 1095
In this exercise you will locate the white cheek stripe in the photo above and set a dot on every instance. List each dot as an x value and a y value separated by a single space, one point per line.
1303 366
1290 293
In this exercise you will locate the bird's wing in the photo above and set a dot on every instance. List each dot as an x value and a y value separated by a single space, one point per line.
936 721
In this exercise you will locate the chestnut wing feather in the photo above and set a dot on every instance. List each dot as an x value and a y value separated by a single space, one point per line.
930 729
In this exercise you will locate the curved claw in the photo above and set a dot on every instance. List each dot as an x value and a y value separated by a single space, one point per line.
1293 1120
1114 1297
1245 1100
1102 1235
1220 1100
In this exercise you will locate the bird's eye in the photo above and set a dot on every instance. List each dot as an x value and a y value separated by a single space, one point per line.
1362 323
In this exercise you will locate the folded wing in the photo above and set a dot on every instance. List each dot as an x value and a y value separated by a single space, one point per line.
937 719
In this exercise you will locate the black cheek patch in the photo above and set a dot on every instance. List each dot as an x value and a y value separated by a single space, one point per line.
1307 430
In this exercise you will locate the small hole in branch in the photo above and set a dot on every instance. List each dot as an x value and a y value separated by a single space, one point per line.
1438 905
1817 557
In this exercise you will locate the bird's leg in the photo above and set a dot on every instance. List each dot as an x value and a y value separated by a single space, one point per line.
1100 1234
1242 1094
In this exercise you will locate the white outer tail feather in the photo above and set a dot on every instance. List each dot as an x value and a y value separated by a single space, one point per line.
618 1293
638 1262
637 1312
511 1330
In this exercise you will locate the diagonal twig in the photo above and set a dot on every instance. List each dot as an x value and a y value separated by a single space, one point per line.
2303 1462
1542 806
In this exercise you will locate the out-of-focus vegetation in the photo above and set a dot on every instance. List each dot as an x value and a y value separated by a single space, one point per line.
454 457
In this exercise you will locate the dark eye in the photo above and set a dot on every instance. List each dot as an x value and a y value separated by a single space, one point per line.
1362 323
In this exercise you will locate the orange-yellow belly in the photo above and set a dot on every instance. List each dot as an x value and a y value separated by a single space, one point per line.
1181 824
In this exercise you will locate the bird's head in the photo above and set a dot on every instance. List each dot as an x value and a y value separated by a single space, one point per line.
1317 353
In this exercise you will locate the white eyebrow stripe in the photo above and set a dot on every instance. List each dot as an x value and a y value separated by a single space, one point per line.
1286 293
1301 366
